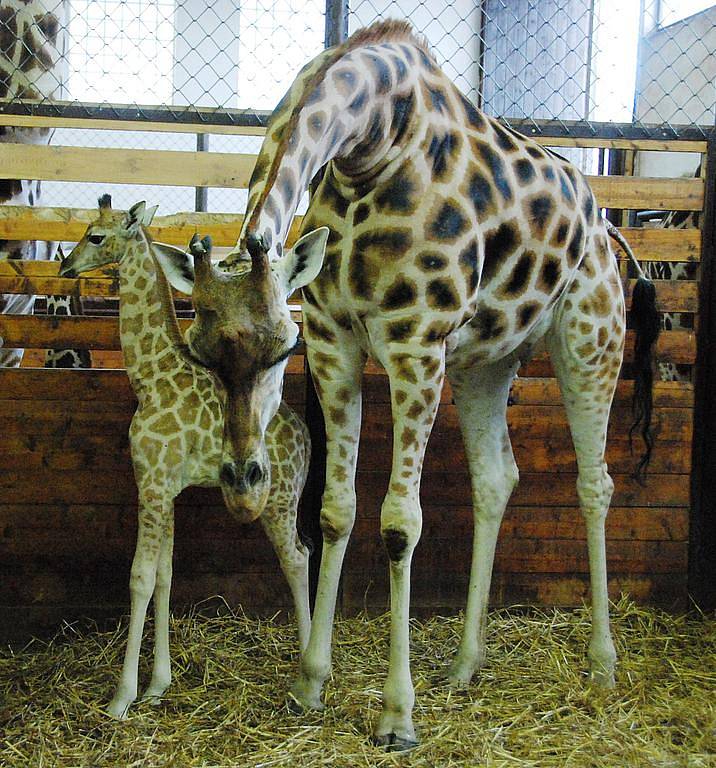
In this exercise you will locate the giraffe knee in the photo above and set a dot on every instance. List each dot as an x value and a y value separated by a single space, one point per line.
337 522
594 488
400 526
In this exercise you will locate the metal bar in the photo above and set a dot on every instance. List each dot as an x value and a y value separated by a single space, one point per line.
702 529
336 22
201 195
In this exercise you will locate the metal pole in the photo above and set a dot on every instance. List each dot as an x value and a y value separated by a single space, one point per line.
336 22
201 197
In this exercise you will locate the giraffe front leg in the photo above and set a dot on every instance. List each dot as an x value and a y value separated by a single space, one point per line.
152 514
161 671
415 386
339 370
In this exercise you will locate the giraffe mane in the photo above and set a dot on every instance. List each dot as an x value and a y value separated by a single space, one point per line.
387 31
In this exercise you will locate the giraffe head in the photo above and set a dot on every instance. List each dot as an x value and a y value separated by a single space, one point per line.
106 239
243 331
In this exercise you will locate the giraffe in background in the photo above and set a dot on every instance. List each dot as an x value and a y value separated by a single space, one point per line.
33 66
455 245
176 434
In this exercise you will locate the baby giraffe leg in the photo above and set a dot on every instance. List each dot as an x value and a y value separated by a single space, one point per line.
152 523
481 399
161 671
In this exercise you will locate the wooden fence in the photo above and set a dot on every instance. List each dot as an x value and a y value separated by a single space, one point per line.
67 494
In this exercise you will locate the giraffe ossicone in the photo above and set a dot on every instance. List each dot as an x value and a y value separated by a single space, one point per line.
456 245
176 434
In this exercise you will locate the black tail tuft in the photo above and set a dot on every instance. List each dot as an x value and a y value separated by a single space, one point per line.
306 540
647 324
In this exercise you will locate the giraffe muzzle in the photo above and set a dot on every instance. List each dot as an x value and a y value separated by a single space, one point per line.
243 482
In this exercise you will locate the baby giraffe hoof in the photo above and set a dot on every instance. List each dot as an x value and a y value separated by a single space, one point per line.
118 708
603 678
299 706
391 742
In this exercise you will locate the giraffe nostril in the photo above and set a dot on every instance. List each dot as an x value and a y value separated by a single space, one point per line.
228 474
253 474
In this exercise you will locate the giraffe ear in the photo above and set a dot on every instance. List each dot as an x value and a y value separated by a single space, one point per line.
303 262
135 216
148 215
177 265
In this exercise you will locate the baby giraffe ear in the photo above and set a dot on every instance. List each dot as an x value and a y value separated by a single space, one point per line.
177 265
135 216
149 215
303 262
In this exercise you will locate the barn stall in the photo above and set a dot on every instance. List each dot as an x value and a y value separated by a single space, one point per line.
68 506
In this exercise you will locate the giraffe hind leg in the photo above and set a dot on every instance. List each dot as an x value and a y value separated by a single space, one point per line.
586 347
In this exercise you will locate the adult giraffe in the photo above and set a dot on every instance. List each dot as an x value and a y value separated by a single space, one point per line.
32 66
456 244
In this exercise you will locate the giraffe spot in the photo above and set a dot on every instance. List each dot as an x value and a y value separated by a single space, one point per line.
489 323
525 172
504 141
400 396
426 61
586 350
331 197
329 271
497 168
437 331
442 295
479 190
441 151
467 259
549 274
337 416
473 115
345 81
601 301
381 71
374 135
585 328
567 194
403 108
536 152
408 438
166 424
318 330
396 542
394 241
344 321
356 106
401 330
260 168
559 236
539 211
343 394
517 283
588 207
575 249
408 54
429 261
398 195
448 223
400 294
415 410
526 312
438 100
500 243
588 267
431 365
548 173
429 395
309 296
404 371
401 69
316 94
316 124
602 336
361 213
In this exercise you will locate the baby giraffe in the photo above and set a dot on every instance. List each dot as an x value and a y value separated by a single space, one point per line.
176 434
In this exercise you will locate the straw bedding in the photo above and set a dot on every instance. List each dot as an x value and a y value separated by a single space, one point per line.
530 706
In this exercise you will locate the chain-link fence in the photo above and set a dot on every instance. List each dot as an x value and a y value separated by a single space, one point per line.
639 68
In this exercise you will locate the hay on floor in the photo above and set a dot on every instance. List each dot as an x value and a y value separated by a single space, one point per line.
530 706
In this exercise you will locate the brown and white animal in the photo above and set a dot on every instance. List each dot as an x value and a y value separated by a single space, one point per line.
176 434
32 66
455 246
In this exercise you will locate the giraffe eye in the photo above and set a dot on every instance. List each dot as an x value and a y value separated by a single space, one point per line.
96 239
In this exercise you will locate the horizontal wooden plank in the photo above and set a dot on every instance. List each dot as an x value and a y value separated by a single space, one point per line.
656 244
648 145
126 166
233 170
69 224
103 333
649 193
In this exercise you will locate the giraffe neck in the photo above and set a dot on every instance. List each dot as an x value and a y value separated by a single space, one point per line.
151 340
355 104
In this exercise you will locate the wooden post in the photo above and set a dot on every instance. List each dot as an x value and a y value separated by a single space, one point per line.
702 529
336 22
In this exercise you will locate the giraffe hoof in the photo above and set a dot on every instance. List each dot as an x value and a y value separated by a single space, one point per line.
298 707
602 678
391 742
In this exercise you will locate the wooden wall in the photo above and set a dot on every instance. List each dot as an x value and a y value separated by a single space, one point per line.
68 500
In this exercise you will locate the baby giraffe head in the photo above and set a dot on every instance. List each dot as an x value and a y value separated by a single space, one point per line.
243 331
106 239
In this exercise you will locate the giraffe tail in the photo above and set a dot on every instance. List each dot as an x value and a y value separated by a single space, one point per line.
647 324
